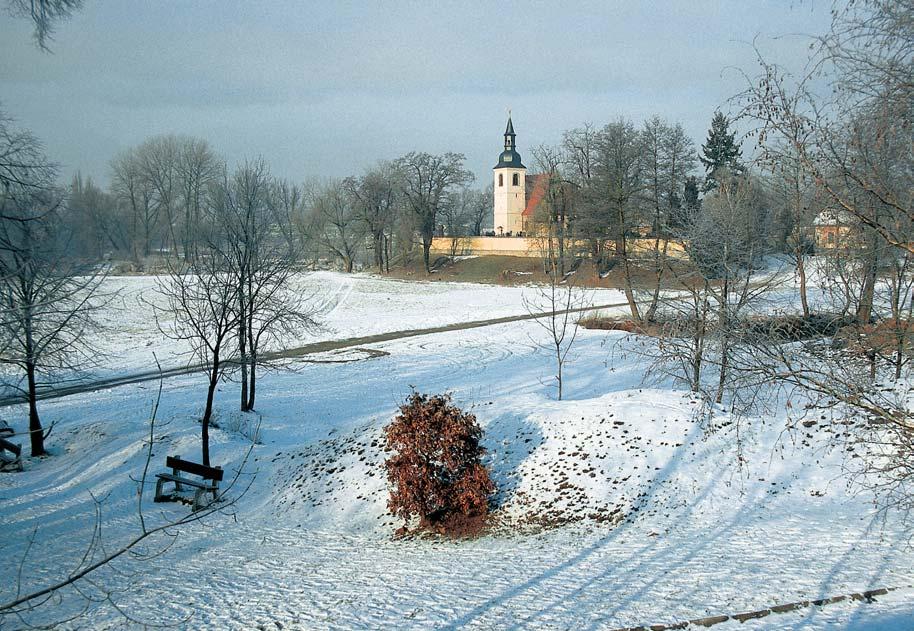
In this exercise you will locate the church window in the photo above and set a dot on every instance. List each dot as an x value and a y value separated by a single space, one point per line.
501 179
515 180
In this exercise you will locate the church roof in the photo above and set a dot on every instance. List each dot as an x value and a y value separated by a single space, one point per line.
536 185
509 158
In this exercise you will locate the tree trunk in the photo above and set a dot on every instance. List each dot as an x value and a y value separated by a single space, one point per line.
253 391
558 354
865 306
208 411
801 273
379 251
724 323
699 350
426 246
36 433
627 279
254 343
242 352
244 366
660 257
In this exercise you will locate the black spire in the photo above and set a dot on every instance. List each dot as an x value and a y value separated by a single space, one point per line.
509 157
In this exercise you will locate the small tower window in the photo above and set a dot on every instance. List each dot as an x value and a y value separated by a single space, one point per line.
501 179
515 180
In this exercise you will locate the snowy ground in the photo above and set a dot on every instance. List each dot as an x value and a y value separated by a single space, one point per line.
348 305
647 519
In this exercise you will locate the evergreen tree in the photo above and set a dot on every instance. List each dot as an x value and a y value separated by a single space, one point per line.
719 151
690 194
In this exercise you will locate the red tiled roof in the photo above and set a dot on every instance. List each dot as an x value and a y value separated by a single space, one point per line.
535 196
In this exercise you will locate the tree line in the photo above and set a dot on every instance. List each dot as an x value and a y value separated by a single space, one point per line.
161 189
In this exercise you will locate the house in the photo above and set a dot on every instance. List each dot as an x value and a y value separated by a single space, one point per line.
833 228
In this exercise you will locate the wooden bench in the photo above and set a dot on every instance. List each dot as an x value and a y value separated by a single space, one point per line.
10 455
210 477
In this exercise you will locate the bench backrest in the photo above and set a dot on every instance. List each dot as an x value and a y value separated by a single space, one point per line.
207 473
16 449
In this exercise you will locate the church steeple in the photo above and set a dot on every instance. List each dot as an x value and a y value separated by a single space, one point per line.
510 187
509 135
509 158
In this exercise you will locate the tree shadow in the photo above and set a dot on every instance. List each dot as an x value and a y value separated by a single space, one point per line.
510 439
647 491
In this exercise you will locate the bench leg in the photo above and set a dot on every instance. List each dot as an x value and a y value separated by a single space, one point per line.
159 484
198 499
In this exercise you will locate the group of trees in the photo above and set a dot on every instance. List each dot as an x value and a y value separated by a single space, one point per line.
850 148
226 290
835 143
606 187
160 189
46 296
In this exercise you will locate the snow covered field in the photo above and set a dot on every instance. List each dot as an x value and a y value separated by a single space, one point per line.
348 306
619 506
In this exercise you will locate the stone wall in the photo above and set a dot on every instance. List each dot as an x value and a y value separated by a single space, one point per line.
530 247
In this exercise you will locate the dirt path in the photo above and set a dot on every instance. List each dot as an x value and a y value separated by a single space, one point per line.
290 353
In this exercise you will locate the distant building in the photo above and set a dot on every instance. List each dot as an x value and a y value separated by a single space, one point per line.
522 206
518 196
510 180
833 229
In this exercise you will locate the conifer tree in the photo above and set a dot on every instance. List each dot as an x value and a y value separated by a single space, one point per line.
720 151
691 201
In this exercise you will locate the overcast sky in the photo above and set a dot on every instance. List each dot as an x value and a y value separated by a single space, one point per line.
329 89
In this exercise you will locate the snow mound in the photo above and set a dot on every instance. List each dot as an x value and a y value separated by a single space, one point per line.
628 454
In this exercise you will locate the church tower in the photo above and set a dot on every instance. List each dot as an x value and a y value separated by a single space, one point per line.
510 187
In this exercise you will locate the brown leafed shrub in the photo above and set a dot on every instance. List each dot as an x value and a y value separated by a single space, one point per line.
434 469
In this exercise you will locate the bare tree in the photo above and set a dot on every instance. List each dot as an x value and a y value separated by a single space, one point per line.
455 216
580 148
252 240
335 222
159 158
481 208
377 204
561 300
133 191
290 201
613 196
163 183
23 163
554 219
96 225
704 325
668 156
47 299
200 309
198 169
795 194
44 14
425 180
727 247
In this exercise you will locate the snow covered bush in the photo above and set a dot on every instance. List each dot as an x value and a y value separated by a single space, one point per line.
434 469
